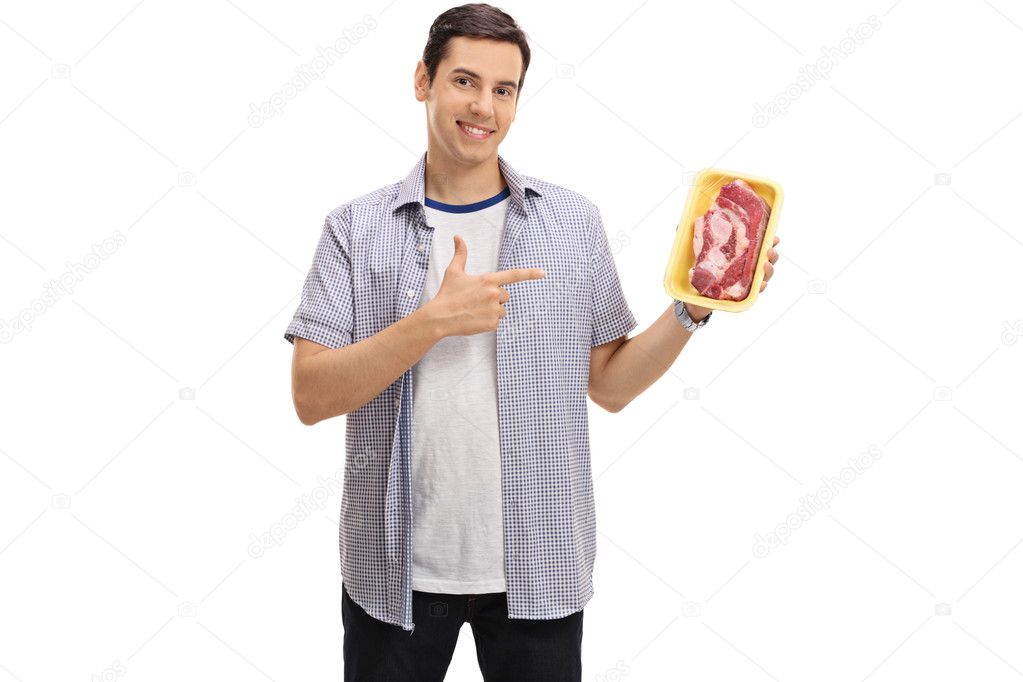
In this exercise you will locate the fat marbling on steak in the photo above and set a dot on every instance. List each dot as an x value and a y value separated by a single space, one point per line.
726 242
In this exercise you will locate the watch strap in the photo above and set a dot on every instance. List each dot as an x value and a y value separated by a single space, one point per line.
687 322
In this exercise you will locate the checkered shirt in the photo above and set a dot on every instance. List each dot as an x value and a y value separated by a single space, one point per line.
367 273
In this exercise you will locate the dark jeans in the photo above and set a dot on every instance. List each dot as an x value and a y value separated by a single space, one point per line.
506 648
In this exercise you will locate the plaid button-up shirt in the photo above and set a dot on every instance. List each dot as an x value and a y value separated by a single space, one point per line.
367 273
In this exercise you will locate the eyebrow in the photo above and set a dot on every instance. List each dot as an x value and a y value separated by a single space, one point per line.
473 74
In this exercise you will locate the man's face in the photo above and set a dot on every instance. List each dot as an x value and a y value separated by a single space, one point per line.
477 85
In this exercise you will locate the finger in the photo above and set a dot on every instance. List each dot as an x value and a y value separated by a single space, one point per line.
460 256
516 275
768 271
776 240
763 285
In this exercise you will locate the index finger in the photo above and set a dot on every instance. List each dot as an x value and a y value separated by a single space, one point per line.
516 275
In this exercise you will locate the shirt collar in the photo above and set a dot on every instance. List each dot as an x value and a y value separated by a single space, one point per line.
412 189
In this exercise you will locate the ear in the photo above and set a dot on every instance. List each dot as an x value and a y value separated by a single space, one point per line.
419 81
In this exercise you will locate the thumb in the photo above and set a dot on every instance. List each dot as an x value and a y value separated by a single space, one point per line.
461 254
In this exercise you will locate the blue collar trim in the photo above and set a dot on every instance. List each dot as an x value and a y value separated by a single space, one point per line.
469 208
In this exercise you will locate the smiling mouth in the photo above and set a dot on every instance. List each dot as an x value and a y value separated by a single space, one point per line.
475 132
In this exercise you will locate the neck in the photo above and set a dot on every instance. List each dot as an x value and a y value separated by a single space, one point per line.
451 182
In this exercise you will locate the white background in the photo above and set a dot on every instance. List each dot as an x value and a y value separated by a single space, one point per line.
893 322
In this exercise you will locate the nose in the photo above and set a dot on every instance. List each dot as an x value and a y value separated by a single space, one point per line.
483 106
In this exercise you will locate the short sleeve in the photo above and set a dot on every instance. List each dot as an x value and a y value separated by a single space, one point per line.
326 310
612 317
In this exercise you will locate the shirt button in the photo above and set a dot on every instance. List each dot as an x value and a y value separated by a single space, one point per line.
422 247
397 401
410 293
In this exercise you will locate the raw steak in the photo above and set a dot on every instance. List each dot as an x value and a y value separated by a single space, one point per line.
727 241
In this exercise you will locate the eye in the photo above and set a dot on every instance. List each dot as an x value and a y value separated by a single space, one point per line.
506 92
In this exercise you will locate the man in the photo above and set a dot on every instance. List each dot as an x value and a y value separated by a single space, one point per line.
480 306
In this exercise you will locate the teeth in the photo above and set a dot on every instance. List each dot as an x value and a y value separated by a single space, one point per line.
475 131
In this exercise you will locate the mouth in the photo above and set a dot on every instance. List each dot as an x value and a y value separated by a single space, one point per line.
474 132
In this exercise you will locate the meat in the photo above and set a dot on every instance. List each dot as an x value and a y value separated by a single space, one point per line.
727 241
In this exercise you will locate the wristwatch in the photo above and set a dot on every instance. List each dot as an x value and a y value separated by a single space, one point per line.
682 315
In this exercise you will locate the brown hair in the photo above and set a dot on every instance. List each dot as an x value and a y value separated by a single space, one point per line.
475 20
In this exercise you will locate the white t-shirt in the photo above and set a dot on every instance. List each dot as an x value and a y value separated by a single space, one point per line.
458 528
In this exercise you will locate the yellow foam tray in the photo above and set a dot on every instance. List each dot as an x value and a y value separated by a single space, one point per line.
701 196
